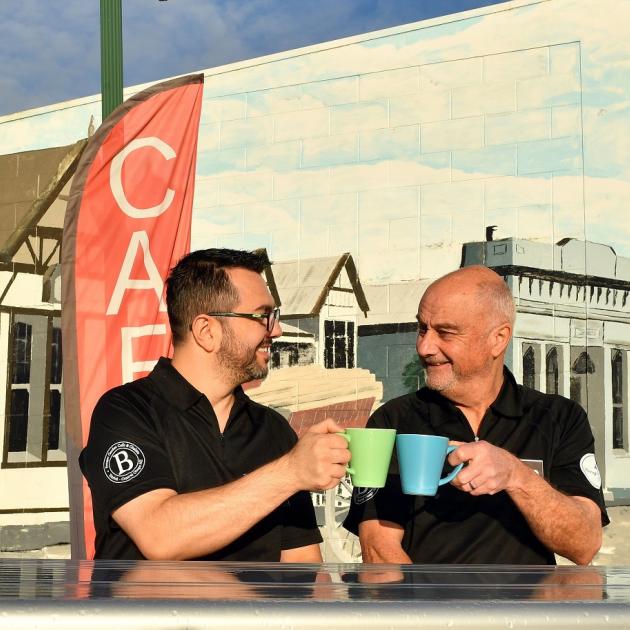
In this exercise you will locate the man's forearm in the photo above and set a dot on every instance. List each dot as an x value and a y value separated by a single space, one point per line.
185 526
170 526
564 524
381 541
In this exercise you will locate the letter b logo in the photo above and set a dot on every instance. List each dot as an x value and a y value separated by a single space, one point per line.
123 462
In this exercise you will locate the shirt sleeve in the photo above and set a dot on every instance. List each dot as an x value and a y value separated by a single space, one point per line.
124 457
574 469
386 504
299 524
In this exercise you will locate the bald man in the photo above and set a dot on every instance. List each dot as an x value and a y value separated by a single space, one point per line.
530 487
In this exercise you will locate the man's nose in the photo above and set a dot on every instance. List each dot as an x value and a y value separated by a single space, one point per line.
276 331
425 344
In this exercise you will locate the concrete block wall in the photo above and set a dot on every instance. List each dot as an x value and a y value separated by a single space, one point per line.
400 146
397 166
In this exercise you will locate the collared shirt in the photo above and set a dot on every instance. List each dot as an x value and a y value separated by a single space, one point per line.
548 431
161 432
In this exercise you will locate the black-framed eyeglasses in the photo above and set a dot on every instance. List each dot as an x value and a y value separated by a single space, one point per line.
266 319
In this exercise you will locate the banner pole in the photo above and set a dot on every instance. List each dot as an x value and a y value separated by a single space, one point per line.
111 56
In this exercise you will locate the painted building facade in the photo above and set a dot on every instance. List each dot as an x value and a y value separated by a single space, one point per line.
572 334
33 477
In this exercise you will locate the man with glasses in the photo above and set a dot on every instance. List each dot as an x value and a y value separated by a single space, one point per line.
182 464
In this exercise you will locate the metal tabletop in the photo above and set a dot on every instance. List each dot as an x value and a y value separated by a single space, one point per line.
160 595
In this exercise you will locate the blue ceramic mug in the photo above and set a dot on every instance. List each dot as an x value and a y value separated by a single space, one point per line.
420 460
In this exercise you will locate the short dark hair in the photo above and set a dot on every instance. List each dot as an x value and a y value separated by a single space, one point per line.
199 283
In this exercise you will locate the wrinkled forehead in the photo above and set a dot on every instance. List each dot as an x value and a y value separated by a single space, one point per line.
448 299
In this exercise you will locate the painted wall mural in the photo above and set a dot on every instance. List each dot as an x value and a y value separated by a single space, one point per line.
369 166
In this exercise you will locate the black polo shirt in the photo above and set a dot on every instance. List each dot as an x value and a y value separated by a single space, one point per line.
160 432
455 527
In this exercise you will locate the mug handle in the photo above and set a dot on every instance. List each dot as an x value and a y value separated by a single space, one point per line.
453 472
343 434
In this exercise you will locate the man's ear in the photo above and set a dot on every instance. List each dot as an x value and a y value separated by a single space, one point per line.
501 336
206 332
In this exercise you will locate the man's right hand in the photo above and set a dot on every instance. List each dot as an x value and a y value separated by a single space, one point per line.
318 461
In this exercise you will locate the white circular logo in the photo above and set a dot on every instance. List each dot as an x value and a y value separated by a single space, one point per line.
361 495
590 470
123 462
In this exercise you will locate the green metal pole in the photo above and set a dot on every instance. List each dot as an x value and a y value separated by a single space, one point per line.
111 55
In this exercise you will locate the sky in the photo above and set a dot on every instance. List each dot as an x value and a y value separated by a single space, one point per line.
50 50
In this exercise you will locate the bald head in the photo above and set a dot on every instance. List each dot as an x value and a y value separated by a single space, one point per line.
484 288
465 322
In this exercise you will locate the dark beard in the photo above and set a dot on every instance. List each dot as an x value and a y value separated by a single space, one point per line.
240 371
255 372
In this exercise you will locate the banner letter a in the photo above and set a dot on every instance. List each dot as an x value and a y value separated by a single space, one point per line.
124 282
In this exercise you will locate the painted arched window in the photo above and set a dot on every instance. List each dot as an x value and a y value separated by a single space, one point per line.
617 398
583 365
551 369
529 368
580 369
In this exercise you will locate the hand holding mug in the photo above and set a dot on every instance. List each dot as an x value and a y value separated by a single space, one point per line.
319 458
489 469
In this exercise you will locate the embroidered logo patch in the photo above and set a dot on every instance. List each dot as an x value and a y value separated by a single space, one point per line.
361 495
123 462
590 470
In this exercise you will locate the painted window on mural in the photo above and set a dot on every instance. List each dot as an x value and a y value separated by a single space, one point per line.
20 386
290 354
529 367
618 402
339 344
34 416
580 369
552 371
54 390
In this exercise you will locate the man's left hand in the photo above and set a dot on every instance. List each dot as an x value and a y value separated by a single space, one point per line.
489 469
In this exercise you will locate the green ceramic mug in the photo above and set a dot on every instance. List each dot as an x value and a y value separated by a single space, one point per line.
371 451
